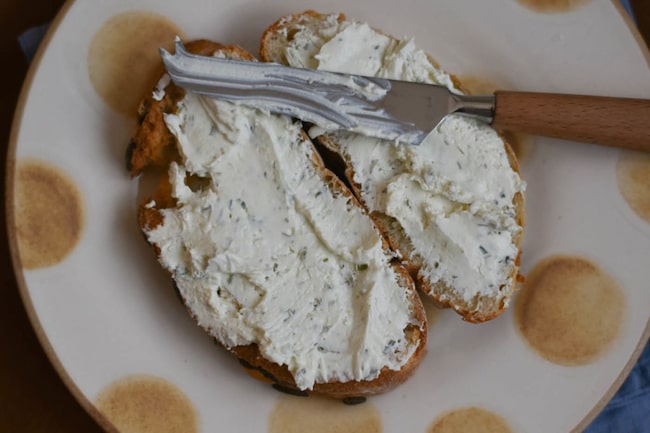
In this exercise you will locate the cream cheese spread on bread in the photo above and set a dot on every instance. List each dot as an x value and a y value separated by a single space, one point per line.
263 251
453 194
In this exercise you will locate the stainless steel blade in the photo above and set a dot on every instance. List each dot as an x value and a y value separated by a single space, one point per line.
388 109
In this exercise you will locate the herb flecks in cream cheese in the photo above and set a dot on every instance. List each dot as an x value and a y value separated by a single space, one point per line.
453 194
266 253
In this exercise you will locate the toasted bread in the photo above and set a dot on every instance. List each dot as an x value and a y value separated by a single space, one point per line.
297 40
205 287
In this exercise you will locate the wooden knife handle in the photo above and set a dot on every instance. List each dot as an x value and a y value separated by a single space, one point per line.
618 122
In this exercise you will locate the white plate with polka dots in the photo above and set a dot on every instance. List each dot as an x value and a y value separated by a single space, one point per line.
107 315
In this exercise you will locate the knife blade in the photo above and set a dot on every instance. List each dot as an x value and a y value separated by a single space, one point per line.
388 109
407 112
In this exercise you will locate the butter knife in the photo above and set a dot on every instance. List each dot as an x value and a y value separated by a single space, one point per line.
404 111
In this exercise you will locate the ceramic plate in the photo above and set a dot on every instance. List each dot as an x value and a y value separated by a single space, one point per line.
108 317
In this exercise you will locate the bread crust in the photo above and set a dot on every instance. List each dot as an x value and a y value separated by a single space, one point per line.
276 36
153 148
388 379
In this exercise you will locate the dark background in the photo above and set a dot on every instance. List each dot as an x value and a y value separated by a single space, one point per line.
32 396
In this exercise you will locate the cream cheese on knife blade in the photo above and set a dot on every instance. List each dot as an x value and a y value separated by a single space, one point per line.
330 100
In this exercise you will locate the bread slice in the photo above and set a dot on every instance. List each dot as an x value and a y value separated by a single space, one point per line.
270 252
452 207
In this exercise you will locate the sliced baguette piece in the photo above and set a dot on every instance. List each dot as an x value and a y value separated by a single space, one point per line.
452 206
348 323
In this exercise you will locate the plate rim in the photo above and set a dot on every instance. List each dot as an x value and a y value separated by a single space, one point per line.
18 270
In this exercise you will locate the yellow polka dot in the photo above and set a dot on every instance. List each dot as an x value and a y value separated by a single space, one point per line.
147 404
320 415
569 310
470 419
552 5
124 61
49 214
475 85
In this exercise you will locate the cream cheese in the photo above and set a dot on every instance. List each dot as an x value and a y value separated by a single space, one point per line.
159 90
263 252
453 194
